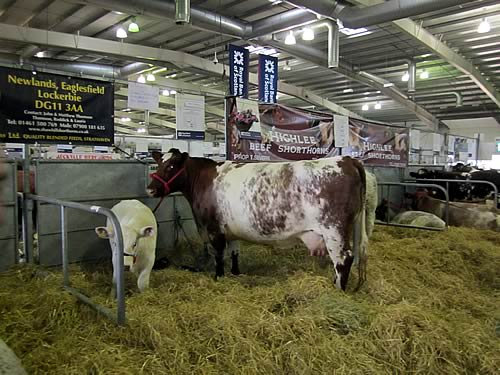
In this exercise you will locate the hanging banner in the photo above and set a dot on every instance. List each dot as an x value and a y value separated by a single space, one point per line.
190 116
268 78
244 115
238 71
295 134
52 108
142 96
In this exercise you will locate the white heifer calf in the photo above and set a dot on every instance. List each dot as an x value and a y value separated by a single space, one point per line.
138 225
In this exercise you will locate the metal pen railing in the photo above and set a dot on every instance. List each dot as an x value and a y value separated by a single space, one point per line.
417 185
118 317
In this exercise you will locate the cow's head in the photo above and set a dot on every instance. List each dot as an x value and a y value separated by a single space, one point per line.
171 175
131 237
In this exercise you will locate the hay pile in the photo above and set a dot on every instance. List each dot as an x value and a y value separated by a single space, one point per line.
430 306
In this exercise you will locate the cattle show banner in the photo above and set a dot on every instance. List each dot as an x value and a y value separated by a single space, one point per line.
50 108
239 59
295 134
244 114
268 79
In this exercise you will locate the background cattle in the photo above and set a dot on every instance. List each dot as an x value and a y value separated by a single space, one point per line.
419 219
470 215
139 229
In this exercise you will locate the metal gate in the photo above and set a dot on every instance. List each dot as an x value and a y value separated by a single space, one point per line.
101 183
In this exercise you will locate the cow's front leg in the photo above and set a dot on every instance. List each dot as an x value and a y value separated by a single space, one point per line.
234 247
219 243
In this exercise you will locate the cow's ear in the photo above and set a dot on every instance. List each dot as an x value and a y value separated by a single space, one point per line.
147 231
184 156
174 152
102 232
157 156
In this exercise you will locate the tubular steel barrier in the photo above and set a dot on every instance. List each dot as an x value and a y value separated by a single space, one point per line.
495 189
417 185
117 253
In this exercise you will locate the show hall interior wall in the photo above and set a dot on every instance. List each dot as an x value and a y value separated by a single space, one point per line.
9 227
102 183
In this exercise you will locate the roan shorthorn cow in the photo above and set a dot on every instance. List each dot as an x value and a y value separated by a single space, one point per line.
314 201
139 229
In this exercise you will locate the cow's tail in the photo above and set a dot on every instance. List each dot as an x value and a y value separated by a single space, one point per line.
361 223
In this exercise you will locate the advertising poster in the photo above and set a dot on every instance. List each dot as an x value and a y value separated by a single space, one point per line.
244 116
190 116
295 134
52 108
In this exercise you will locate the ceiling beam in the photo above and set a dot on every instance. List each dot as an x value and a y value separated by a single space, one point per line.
436 46
134 52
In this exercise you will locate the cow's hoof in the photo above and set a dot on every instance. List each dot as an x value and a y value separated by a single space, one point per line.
235 271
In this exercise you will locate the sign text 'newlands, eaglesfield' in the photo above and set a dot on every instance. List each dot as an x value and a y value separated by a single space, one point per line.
51 108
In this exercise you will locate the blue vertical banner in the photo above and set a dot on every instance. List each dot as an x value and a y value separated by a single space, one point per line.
268 78
238 71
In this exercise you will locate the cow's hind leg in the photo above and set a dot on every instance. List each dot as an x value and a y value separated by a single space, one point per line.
219 244
234 247
339 249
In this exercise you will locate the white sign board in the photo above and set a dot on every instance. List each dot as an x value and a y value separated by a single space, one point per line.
415 139
451 143
197 149
341 130
190 116
436 142
142 96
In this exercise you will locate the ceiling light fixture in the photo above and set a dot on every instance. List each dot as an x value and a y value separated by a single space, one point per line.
165 92
424 74
159 70
405 77
308 34
40 54
133 27
121 33
388 84
141 130
126 119
287 66
378 105
484 26
150 77
290 39
173 92
365 107
141 79
348 90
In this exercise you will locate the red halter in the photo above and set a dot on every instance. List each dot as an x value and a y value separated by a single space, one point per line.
166 184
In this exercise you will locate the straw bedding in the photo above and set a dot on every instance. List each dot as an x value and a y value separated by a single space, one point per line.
430 306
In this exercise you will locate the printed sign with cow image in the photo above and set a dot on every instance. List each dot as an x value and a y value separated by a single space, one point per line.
290 133
245 118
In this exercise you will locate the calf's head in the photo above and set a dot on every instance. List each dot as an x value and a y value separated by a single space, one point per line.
131 237
171 174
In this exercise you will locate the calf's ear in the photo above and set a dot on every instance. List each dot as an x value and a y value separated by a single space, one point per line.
147 231
102 232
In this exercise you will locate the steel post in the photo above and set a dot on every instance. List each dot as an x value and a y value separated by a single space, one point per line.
64 245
